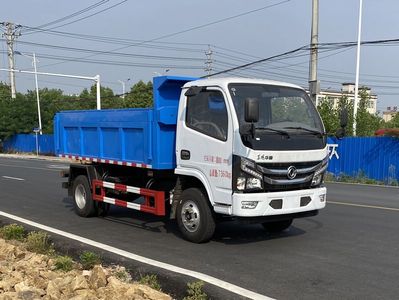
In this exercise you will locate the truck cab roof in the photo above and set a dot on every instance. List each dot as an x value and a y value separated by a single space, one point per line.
224 81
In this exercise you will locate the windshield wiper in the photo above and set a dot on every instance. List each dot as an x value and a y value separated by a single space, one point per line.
315 132
282 132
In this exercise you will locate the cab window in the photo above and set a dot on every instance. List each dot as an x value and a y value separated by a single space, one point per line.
207 113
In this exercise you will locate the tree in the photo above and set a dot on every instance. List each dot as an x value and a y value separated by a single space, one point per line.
394 122
329 115
140 95
366 123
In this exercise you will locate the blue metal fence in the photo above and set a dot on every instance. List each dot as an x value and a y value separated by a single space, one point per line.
372 157
27 143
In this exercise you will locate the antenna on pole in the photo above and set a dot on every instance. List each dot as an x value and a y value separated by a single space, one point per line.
314 84
208 61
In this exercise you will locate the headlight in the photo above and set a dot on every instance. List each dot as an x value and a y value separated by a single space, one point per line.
319 174
248 166
248 178
253 183
317 179
241 183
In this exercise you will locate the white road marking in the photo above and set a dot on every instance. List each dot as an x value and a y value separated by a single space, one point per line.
26 167
13 178
206 278
363 205
57 166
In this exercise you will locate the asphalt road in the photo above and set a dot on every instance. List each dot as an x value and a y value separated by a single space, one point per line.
349 251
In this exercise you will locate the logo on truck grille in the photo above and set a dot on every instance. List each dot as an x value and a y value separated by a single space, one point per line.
291 172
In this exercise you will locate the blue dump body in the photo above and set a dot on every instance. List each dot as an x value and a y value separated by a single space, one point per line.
142 136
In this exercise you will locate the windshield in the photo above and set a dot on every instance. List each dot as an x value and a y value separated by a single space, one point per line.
280 108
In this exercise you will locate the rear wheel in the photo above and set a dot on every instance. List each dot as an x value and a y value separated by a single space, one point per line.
194 216
83 201
278 226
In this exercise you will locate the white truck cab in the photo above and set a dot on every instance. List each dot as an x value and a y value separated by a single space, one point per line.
257 146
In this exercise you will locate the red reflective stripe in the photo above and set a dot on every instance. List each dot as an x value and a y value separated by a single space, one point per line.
120 187
120 203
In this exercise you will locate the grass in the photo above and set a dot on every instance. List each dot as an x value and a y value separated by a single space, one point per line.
13 232
64 263
89 259
151 280
195 292
121 273
39 242
360 177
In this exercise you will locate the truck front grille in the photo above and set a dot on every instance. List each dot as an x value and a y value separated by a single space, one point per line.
276 175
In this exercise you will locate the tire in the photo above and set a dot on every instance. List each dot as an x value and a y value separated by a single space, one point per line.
278 226
194 216
82 199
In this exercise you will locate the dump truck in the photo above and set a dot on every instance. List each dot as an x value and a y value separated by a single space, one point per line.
209 150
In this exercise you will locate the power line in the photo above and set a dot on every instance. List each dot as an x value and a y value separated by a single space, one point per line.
86 17
143 56
196 27
93 6
260 61
107 39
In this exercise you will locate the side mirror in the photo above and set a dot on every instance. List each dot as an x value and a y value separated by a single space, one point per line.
193 91
344 118
251 110
340 133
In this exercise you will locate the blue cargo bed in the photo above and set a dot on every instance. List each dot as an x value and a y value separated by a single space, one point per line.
136 137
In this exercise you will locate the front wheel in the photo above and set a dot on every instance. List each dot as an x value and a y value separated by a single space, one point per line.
194 216
83 201
278 226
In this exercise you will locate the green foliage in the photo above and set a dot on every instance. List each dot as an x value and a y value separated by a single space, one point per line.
121 273
394 122
13 232
360 177
89 259
151 280
64 263
329 115
366 123
140 95
195 292
39 242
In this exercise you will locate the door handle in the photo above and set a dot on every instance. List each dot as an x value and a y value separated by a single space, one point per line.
185 154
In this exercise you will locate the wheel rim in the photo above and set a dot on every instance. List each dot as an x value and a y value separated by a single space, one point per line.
190 216
80 196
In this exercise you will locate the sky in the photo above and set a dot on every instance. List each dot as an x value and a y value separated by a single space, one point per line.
141 39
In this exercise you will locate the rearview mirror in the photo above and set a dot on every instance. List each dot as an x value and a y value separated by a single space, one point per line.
251 110
340 133
193 91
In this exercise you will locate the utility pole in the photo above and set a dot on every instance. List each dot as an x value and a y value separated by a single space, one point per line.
11 34
208 61
356 100
314 84
123 88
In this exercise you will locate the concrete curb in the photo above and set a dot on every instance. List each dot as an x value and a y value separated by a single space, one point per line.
363 184
32 156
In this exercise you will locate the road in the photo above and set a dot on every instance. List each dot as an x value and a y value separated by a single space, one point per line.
349 251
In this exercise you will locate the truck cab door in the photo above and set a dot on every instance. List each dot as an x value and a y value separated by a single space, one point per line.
204 143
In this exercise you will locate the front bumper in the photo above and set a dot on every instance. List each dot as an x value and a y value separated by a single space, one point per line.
279 203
